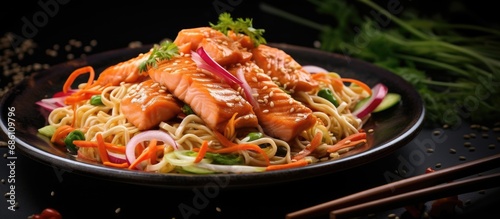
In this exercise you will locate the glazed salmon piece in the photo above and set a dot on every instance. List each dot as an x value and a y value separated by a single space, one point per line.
223 49
279 114
211 99
148 103
126 71
283 69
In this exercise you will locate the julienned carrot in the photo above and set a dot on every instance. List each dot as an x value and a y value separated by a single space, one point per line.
349 141
152 151
359 83
233 147
72 77
118 165
109 146
101 148
336 83
201 152
315 142
145 155
298 163
60 134
229 130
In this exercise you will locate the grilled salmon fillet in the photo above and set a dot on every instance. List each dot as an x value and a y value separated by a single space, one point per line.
210 98
223 49
148 103
279 114
283 69
126 71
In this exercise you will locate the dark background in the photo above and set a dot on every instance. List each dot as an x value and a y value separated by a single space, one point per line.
114 25
117 23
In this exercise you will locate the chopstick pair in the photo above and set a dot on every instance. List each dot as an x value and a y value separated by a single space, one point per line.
412 190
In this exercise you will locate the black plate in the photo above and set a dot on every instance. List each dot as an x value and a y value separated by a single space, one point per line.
393 128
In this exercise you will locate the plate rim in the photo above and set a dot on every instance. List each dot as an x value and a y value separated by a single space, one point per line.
186 180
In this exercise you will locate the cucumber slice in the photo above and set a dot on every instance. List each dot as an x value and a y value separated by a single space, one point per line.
389 100
198 170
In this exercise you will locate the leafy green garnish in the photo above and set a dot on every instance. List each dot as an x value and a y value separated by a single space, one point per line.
186 109
165 51
453 66
226 159
240 25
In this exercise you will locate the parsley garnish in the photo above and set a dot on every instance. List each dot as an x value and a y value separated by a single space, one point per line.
239 25
165 51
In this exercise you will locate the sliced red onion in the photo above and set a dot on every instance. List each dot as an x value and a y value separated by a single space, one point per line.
51 103
247 89
314 69
378 93
204 61
147 136
56 101
117 158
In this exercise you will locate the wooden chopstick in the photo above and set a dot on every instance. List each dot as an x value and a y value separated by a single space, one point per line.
422 195
404 186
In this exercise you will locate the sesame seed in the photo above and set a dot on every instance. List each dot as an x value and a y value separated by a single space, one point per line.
229 104
271 104
474 126
265 111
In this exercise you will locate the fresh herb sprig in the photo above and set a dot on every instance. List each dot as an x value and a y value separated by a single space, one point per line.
240 25
455 67
164 51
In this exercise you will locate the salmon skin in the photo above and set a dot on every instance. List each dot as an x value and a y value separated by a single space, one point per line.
148 103
126 71
210 98
283 69
279 114
225 50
